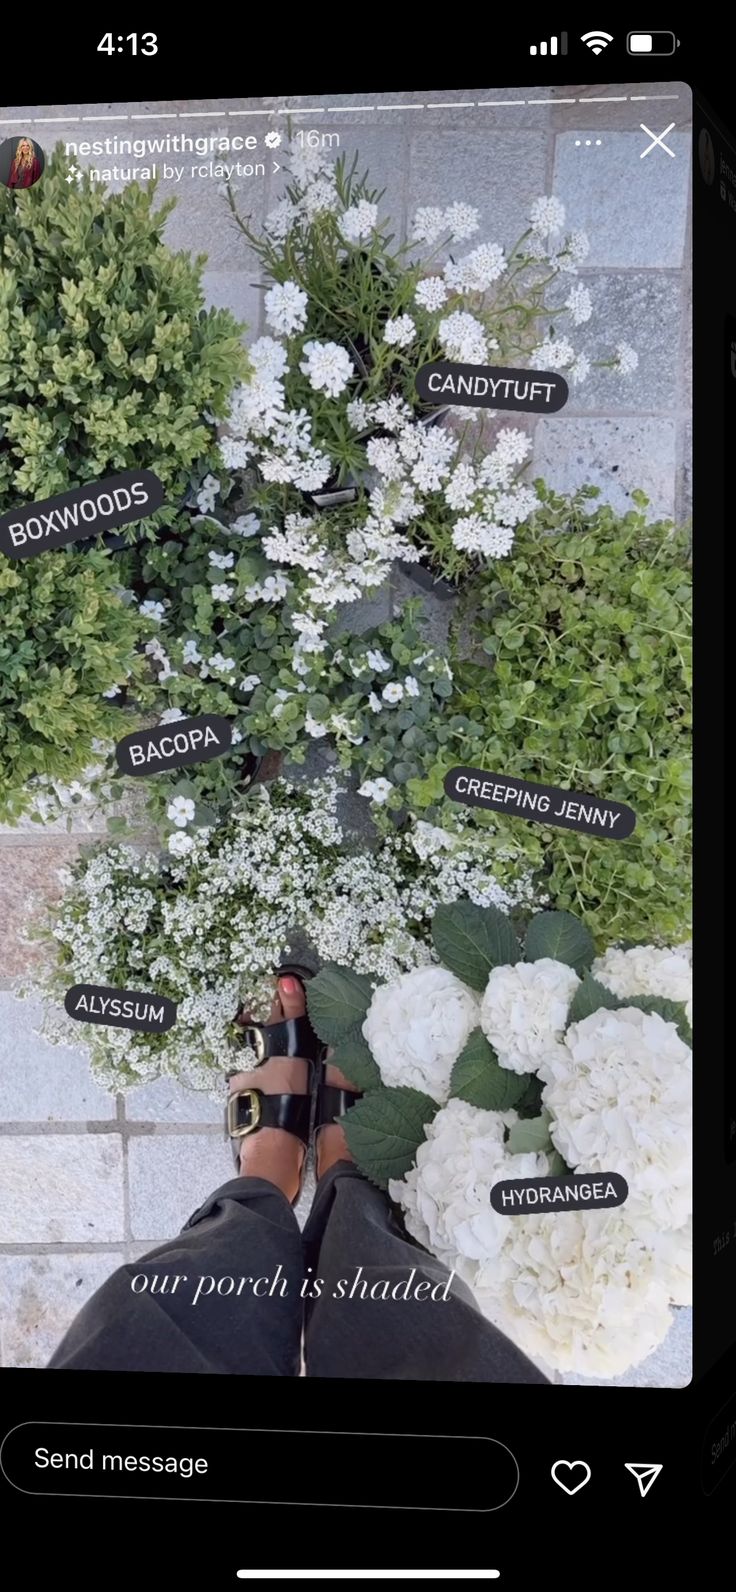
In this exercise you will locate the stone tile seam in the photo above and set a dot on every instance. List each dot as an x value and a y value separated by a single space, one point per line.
109 1128
331 110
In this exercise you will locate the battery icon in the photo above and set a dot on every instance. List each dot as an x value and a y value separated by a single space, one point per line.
662 42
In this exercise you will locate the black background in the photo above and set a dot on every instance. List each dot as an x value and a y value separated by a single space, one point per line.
606 1534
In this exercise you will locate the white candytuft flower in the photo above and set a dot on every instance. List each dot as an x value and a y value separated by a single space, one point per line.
417 1026
476 271
627 359
357 223
463 338
524 1010
431 293
286 308
547 214
580 304
328 367
399 332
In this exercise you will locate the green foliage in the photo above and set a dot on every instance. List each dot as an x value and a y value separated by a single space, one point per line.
66 638
337 1001
384 1131
588 631
589 997
561 936
592 995
470 940
108 359
530 1136
478 1078
353 1057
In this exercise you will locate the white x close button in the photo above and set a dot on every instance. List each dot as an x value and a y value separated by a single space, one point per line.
657 140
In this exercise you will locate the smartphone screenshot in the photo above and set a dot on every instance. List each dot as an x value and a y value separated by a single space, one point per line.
358 1185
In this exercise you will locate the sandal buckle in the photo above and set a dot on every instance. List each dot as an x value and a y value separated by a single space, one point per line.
238 1130
256 1039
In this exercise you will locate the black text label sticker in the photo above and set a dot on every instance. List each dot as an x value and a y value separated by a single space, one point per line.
579 1191
542 804
171 745
491 387
87 511
120 1008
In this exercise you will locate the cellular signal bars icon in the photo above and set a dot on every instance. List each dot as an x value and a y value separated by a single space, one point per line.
555 46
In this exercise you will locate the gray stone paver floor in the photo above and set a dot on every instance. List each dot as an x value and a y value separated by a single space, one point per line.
89 1181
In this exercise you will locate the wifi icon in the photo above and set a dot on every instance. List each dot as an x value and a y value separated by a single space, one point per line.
596 40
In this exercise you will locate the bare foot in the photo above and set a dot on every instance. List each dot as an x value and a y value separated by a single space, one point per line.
331 1144
272 1153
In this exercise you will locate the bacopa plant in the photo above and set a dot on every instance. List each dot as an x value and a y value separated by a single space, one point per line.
108 359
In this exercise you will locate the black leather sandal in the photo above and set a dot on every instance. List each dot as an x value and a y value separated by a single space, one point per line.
248 1110
332 1102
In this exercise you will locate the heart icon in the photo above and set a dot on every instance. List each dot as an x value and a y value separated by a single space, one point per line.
569 1466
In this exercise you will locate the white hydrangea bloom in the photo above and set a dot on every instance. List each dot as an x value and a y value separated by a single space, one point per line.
417 1027
649 970
619 1089
524 1010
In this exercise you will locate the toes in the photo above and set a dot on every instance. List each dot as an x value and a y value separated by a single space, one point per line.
291 995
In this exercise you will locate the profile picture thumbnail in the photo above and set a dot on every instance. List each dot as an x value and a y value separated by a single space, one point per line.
22 161
707 156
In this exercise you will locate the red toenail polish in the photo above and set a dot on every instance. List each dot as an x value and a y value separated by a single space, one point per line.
289 985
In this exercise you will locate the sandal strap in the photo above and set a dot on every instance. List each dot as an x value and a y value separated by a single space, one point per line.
333 1103
248 1110
294 1036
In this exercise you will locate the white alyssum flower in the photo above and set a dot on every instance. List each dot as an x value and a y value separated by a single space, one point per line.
359 221
524 1010
417 1026
180 811
328 367
648 970
547 214
399 332
627 359
221 592
152 610
393 692
180 845
377 790
286 308
619 1089
431 293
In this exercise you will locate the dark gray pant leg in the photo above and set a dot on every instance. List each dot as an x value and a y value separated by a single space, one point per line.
247 1228
352 1224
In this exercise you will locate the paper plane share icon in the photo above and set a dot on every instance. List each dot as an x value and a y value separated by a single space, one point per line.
645 1475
